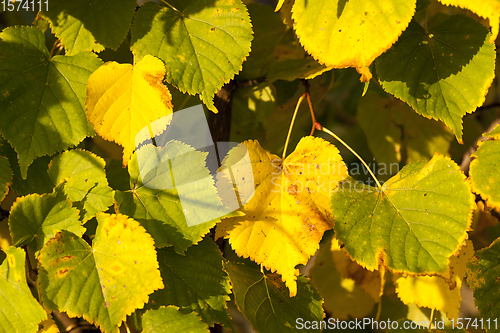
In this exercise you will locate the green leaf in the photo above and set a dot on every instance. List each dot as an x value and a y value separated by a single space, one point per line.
443 73
196 282
103 283
414 224
42 99
391 127
203 44
483 271
37 180
19 310
484 171
170 319
34 219
5 177
84 180
162 207
88 25
265 301
350 33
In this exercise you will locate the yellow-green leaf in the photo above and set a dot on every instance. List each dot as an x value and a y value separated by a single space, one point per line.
489 9
484 171
104 282
19 310
350 33
289 212
434 291
122 99
414 223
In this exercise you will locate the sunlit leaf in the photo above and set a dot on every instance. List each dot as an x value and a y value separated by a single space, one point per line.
90 25
160 209
34 219
203 49
489 9
483 271
443 73
196 282
19 310
484 171
289 212
103 283
170 319
413 224
434 291
350 33
266 303
84 180
42 98
122 99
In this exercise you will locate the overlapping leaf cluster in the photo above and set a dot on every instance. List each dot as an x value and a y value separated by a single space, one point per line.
101 243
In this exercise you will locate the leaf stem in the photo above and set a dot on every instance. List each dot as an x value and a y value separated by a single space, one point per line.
291 124
172 7
326 130
309 102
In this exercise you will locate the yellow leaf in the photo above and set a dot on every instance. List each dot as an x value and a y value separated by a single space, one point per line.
290 209
489 9
435 292
48 326
350 33
122 99
278 6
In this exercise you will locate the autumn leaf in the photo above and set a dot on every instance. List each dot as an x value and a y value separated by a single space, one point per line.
484 171
122 99
413 223
289 211
350 33
104 282
434 291
489 9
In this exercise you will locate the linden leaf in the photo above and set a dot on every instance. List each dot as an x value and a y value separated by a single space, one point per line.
289 211
41 97
489 9
443 73
205 296
173 173
19 310
483 271
122 99
435 292
5 177
344 298
103 283
264 301
484 172
413 224
350 33
84 180
89 25
34 219
403 128
170 319
203 49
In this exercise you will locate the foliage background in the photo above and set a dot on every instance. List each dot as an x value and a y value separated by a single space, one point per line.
263 96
